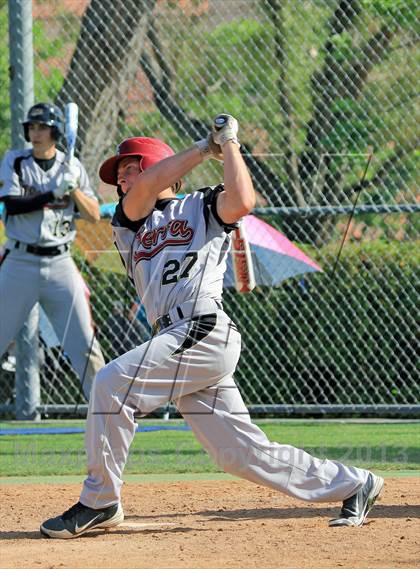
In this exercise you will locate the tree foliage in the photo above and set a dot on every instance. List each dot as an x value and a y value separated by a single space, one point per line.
319 88
4 83
316 87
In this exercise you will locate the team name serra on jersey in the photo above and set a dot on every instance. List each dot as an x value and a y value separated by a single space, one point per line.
176 232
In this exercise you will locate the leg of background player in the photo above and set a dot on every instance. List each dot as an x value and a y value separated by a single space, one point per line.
19 292
63 298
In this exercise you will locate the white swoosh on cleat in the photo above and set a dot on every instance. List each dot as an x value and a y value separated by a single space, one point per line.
78 529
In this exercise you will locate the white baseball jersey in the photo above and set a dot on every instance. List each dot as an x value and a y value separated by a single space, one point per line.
52 225
177 253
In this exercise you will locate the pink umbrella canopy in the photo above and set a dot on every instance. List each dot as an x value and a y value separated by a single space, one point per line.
274 257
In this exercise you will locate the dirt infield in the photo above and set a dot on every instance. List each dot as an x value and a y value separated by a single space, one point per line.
212 525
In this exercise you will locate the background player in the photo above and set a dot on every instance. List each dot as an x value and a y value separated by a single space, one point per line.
41 194
175 251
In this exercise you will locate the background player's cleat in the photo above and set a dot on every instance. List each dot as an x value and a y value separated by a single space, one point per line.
356 508
80 519
9 364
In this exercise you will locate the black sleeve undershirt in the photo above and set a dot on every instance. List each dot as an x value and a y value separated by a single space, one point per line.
210 201
122 220
16 205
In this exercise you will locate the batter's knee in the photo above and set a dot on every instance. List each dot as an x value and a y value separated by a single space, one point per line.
106 379
107 395
233 460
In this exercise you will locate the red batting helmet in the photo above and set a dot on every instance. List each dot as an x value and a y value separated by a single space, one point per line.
149 150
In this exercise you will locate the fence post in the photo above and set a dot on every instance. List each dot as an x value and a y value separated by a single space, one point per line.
21 66
21 99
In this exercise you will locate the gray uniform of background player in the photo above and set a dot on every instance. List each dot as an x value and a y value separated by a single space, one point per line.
177 257
53 281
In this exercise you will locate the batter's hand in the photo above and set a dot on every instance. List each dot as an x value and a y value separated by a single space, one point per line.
225 129
70 181
209 149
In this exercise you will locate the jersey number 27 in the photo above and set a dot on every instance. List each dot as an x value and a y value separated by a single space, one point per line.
174 271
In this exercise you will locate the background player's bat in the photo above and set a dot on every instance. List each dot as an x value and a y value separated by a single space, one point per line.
72 119
243 267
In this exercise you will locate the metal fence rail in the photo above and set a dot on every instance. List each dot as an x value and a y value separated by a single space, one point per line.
318 88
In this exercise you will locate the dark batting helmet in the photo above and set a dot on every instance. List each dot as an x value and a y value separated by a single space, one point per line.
149 150
45 113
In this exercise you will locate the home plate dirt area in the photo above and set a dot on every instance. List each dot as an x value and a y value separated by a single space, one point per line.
212 525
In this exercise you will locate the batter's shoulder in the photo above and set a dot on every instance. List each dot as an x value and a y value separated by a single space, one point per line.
11 164
210 191
119 219
10 156
209 196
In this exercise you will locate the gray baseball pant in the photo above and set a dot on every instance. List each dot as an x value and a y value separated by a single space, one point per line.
56 284
200 383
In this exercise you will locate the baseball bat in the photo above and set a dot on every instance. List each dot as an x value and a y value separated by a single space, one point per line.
72 119
243 266
220 121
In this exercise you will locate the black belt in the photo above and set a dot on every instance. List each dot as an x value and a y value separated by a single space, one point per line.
165 320
43 251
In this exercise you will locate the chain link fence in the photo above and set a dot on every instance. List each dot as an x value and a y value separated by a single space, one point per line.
326 94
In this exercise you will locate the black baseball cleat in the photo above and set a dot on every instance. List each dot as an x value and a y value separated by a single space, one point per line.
80 519
356 508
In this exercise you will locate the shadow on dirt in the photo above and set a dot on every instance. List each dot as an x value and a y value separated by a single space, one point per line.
409 513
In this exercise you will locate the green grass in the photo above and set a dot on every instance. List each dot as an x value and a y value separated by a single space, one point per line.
385 446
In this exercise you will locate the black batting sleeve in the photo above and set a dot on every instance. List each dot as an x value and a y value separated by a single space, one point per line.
16 205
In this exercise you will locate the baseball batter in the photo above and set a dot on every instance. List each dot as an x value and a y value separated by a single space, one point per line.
175 251
41 194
